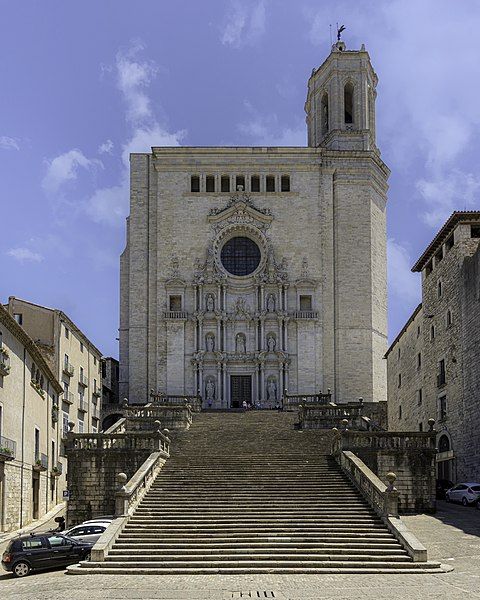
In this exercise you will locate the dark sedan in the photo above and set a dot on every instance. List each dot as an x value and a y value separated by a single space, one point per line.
39 551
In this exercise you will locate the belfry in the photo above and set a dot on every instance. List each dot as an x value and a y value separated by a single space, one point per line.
249 271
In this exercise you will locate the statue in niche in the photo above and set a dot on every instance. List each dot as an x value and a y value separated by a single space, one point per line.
210 391
240 344
272 391
210 342
271 303
271 343
210 303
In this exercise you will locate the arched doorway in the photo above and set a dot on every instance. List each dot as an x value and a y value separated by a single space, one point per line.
445 458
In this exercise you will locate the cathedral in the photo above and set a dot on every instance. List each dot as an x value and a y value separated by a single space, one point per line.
249 271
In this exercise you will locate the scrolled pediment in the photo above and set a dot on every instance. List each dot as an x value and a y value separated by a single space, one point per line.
240 210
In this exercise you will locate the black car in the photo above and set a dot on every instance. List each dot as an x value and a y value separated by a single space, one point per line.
39 551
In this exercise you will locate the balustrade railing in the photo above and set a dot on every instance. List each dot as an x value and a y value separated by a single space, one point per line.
304 314
175 314
383 498
293 400
176 400
133 440
389 440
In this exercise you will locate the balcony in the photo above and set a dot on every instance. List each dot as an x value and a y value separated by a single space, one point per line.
82 406
68 397
68 368
8 449
4 362
83 380
304 314
97 393
41 462
57 470
175 314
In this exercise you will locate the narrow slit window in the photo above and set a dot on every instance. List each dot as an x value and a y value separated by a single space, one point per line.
195 183
255 183
225 183
348 103
324 114
270 183
210 183
285 183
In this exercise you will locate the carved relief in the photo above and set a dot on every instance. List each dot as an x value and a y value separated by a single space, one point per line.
210 342
240 343
271 342
210 302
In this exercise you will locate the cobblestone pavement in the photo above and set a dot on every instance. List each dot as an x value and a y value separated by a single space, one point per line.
451 536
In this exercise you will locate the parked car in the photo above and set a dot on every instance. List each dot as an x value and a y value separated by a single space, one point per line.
442 486
89 531
466 493
39 551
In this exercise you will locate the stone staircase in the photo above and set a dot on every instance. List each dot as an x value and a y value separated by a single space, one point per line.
246 493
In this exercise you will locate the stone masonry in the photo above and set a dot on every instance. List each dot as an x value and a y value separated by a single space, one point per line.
311 314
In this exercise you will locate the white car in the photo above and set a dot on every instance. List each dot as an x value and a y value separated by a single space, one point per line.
466 493
89 531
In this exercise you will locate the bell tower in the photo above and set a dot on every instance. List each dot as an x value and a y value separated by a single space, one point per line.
340 102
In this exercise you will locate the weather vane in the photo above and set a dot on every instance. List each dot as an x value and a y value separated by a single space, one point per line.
340 30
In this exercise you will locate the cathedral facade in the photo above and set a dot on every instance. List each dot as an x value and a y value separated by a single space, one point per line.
253 270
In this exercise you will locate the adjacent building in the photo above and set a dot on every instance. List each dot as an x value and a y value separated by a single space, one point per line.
32 469
252 270
71 356
434 363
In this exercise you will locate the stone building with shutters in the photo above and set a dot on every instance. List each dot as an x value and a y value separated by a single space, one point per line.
434 363
251 270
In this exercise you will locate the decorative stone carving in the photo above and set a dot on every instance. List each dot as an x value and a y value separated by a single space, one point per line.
174 265
271 303
305 272
210 303
271 342
210 342
210 391
240 344
272 390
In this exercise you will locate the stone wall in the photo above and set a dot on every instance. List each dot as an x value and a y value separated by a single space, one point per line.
411 456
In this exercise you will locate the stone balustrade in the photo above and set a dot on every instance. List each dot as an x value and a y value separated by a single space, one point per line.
177 400
132 440
389 440
294 400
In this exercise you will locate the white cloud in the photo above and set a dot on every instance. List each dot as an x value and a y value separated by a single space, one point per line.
24 255
109 205
65 168
266 131
244 25
132 77
403 284
8 143
446 192
106 147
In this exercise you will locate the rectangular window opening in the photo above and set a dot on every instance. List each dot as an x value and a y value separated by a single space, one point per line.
285 183
305 302
225 183
255 183
270 183
240 183
195 183
175 303
210 183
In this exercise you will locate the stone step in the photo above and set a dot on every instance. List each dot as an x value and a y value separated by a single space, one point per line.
122 568
232 553
322 534
192 544
163 530
162 514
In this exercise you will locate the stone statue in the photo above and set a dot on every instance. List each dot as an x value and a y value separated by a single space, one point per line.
272 391
210 342
271 303
210 391
210 303
240 344
271 343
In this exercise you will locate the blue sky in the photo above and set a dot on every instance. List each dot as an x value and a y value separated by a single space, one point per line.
83 84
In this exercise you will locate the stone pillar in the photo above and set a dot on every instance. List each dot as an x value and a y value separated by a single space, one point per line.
200 297
200 333
217 341
217 299
262 382
279 297
224 308
225 393
262 297
285 325
200 381
285 303
280 385
262 333
286 377
219 384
